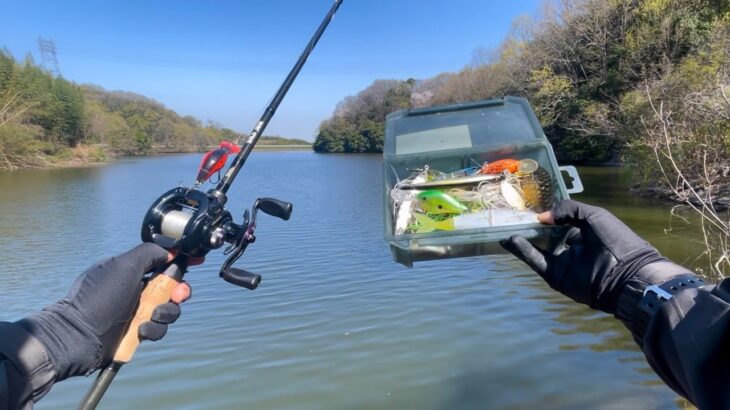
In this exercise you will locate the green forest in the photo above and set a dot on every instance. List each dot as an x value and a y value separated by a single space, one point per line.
48 121
596 73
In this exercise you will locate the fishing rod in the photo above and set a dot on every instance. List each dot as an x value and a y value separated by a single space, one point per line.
193 223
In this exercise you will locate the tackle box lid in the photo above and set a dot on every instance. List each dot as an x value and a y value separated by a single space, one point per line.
503 121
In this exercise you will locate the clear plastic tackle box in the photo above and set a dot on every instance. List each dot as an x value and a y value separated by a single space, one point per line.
452 141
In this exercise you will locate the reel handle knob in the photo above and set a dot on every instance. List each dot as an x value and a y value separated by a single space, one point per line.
242 278
275 207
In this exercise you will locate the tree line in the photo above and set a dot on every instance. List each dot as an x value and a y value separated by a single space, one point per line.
589 69
45 120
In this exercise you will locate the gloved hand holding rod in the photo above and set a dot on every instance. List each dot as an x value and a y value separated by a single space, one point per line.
193 223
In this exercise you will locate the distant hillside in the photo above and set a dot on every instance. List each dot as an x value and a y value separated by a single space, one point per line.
47 121
131 124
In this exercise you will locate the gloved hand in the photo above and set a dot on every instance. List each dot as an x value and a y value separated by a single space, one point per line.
597 258
81 331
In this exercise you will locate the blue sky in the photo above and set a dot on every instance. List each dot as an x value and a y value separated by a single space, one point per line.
223 60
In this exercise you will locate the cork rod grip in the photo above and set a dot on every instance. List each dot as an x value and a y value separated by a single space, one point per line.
158 291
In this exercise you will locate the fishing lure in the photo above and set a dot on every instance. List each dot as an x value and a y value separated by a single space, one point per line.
451 182
438 202
530 193
404 201
512 196
497 167
527 166
465 172
513 166
537 190
485 195
483 219
466 195
214 160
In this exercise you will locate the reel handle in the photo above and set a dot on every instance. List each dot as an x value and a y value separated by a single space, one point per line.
157 291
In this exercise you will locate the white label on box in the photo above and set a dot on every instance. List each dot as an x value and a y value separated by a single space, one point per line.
437 139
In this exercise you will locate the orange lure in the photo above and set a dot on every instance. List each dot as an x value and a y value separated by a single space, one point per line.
496 167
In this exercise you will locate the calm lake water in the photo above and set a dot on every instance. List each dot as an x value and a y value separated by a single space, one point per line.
336 324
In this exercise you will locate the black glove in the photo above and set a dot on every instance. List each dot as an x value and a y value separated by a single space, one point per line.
81 332
597 258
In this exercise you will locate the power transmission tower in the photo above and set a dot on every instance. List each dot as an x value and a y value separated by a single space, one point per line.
48 56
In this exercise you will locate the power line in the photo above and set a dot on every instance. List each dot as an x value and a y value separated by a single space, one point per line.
199 62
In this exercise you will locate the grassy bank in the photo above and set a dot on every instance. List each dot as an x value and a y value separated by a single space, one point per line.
287 147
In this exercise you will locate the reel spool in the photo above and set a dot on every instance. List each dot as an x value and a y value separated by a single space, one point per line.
189 221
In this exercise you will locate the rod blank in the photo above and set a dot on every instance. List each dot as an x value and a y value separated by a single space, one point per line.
258 130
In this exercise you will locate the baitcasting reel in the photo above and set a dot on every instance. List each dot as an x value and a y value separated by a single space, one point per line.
193 222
